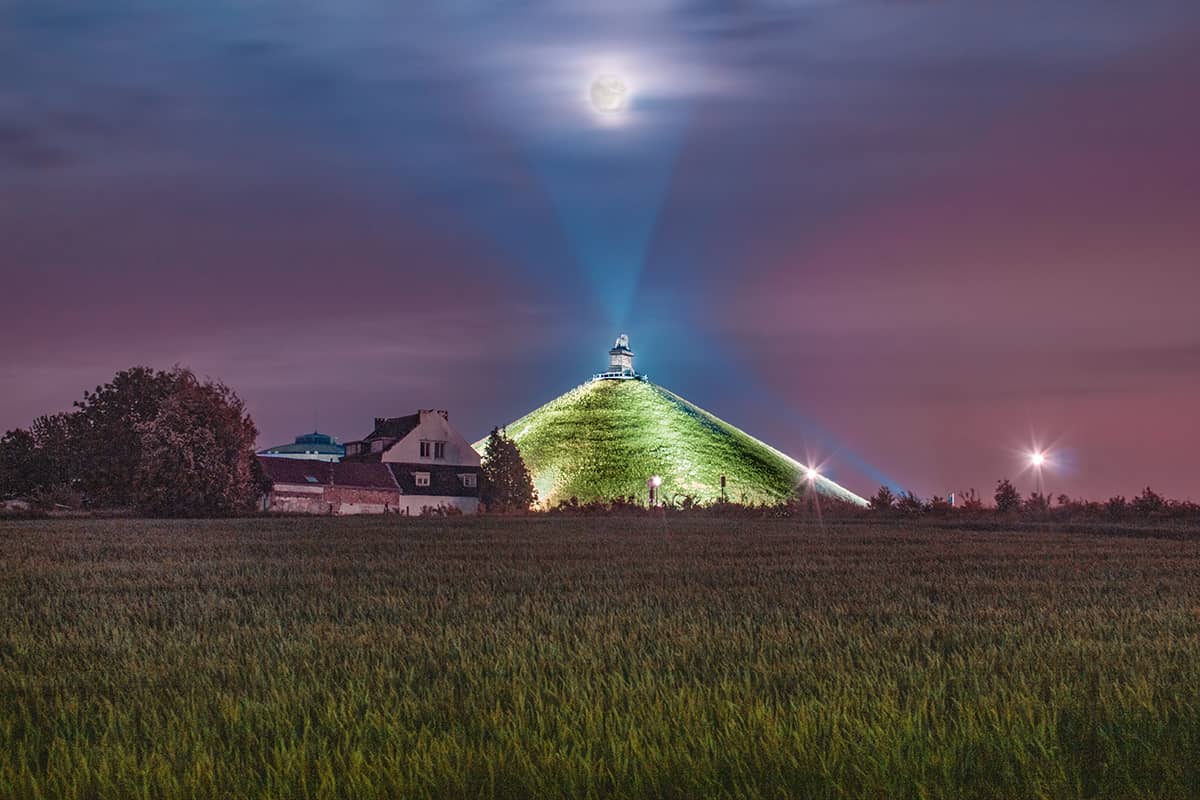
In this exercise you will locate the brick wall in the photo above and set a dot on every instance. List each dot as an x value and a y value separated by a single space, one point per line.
348 500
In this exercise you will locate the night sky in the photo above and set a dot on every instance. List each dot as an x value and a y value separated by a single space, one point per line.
906 239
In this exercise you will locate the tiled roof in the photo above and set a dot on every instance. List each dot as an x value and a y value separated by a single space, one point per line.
363 476
296 470
388 430
395 427
444 479
373 476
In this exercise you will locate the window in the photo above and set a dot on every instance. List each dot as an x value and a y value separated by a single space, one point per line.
468 479
377 445
439 449
424 449
311 478
422 478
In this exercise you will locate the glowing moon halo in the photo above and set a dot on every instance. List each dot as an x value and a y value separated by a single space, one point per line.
608 94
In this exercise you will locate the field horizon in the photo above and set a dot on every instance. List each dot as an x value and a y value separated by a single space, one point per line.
594 657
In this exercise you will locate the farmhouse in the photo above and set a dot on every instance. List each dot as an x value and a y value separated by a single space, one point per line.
406 465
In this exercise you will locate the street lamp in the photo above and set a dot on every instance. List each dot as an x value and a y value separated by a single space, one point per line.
652 484
812 495
1037 460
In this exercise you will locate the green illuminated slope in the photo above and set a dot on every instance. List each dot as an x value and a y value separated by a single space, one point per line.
603 440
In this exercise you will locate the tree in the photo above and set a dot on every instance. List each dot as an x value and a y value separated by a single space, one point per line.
909 503
1008 499
196 456
1148 503
506 485
969 501
18 456
58 463
1037 502
108 442
939 505
163 442
40 460
883 501
1116 507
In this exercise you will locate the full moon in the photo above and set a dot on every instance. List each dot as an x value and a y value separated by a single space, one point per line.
608 94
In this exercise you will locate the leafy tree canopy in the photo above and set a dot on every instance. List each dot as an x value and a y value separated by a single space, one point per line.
163 442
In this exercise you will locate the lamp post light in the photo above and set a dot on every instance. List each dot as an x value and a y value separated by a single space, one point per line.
652 483
811 474
1037 460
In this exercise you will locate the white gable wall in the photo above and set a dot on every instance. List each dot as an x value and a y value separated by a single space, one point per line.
433 428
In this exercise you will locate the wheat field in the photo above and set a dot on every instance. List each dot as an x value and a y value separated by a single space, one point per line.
593 657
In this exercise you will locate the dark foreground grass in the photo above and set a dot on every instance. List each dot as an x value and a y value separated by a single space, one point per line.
386 658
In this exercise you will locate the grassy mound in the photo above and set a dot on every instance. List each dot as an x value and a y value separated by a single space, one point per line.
603 439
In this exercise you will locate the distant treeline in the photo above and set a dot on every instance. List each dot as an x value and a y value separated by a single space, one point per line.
1007 501
1007 505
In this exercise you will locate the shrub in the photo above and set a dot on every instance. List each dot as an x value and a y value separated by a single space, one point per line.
1008 499
883 501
